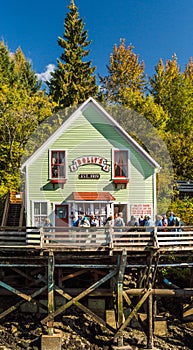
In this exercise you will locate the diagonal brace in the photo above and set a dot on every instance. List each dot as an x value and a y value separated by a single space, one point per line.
30 297
133 312
78 297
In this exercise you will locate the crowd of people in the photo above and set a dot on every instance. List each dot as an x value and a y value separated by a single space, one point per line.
161 221
85 220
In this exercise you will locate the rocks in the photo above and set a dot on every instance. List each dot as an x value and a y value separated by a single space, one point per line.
79 332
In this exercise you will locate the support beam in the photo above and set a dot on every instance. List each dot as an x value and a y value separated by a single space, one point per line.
132 314
78 297
150 304
14 307
180 293
50 323
128 300
95 317
92 315
122 264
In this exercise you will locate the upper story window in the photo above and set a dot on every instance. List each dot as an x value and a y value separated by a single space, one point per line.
57 165
120 166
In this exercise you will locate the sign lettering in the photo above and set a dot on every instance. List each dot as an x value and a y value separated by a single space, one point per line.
89 176
85 160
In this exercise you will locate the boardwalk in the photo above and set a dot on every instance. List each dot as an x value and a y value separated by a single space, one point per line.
39 266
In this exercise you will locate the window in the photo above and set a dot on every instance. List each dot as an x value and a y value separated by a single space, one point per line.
120 167
120 164
40 212
95 208
57 163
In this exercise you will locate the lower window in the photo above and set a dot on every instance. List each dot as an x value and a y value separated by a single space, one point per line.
40 212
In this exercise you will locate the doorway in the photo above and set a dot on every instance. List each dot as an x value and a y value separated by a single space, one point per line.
61 215
121 208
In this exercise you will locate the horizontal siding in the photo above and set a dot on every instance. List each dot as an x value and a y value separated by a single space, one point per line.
83 138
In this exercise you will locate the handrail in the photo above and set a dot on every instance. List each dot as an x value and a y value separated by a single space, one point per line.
21 215
101 238
6 209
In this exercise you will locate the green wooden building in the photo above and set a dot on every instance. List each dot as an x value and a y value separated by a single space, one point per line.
89 165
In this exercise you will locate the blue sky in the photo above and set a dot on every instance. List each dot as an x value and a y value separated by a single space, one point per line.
156 28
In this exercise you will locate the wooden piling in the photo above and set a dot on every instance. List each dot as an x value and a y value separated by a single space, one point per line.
50 323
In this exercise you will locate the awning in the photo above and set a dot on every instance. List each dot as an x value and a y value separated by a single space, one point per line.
91 196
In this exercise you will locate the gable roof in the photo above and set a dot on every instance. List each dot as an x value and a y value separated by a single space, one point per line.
91 102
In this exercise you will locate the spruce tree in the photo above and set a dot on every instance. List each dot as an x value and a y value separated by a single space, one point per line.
73 81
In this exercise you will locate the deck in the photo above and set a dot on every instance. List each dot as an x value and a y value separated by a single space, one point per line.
78 264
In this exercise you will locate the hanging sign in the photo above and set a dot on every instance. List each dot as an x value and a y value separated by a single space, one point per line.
86 160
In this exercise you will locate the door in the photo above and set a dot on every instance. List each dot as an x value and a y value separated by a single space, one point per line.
121 208
61 215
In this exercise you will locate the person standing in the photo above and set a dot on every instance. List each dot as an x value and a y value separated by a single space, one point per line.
48 224
119 220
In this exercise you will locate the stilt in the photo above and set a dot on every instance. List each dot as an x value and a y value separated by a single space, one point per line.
50 323
150 307
122 265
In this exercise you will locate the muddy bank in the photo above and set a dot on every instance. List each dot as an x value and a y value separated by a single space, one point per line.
79 332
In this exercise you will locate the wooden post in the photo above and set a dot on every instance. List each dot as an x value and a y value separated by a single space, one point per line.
150 307
50 323
120 319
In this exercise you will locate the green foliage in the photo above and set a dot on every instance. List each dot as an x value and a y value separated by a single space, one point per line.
183 209
173 90
73 81
125 79
22 108
15 70
178 276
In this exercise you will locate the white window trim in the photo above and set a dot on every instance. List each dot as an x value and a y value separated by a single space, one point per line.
113 161
39 201
50 162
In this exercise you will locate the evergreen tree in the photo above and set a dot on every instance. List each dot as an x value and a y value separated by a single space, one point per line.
15 69
72 82
125 79
24 74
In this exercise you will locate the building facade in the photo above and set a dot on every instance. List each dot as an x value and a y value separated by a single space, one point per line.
89 165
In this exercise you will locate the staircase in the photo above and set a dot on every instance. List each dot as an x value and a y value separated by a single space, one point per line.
14 210
13 216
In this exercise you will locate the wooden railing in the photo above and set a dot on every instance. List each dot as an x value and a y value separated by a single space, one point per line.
6 209
72 238
175 238
118 238
19 236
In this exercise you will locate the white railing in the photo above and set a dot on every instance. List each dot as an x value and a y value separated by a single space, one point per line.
74 237
176 238
14 236
115 238
88 238
128 238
